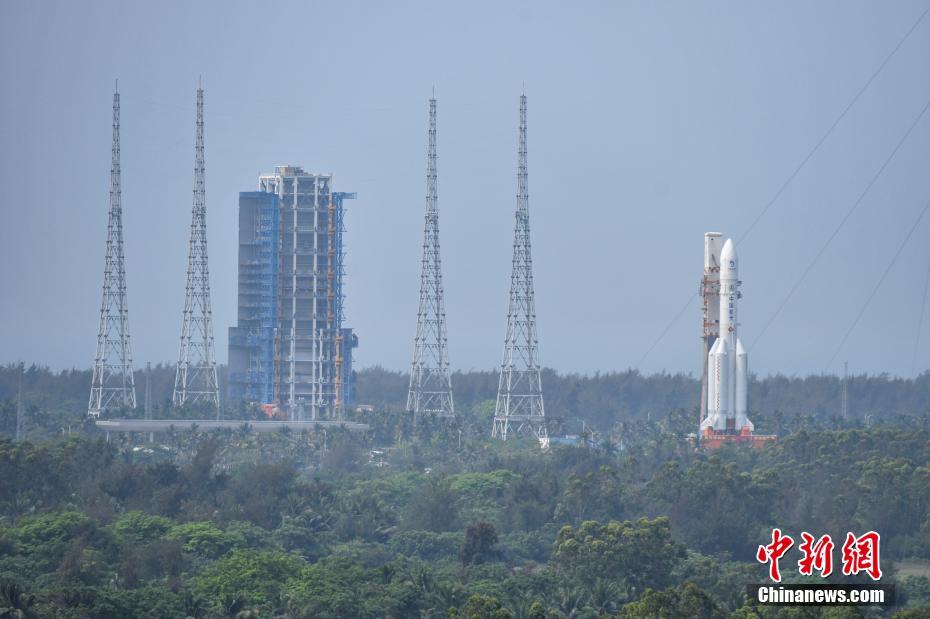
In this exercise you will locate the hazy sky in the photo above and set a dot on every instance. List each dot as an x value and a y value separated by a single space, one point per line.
649 124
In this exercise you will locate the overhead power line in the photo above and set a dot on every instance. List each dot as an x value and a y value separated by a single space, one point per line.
667 328
920 320
842 223
836 122
801 165
880 281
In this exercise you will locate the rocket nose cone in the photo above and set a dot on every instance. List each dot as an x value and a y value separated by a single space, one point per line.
728 259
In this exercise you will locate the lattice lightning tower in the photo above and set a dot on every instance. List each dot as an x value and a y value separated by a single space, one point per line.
519 409
430 383
112 385
196 380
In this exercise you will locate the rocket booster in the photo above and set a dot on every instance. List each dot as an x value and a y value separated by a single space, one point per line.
726 361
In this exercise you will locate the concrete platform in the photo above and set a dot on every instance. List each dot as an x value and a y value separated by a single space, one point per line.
208 425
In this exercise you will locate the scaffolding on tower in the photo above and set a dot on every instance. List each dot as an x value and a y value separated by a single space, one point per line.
710 306
344 337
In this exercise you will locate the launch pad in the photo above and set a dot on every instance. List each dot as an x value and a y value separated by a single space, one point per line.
714 439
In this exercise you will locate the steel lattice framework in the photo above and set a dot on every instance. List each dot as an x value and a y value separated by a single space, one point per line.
196 380
112 386
430 384
519 409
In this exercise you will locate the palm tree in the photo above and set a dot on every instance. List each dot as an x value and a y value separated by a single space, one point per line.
605 596
569 600
194 606
231 605
14 603
525 606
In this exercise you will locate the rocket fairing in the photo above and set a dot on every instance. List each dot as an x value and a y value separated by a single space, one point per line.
726 361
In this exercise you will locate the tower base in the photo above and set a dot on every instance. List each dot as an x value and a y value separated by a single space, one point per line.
714 439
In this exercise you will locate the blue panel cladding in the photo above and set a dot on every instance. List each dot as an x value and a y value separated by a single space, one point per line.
270 230
251 342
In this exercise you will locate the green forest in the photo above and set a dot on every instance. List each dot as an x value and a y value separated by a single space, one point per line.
435 519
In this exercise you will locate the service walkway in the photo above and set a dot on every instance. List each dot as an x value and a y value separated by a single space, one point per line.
207 425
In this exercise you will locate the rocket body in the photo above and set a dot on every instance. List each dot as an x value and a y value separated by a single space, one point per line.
726 362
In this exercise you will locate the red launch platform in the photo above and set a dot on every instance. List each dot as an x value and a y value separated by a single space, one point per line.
713 439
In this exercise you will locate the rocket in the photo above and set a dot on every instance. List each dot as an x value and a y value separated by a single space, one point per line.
726 361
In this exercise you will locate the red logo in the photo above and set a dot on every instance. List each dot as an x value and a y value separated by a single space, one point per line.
817 555
860 554
773 552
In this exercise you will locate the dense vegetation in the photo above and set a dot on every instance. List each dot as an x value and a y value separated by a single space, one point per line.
608 403
439 521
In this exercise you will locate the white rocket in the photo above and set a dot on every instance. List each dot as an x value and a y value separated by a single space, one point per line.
726 361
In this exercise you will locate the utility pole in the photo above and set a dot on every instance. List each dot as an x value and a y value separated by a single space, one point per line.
430 384
113 385
19 404
519 393
221 389
844 402
148 390
148 397
196 380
